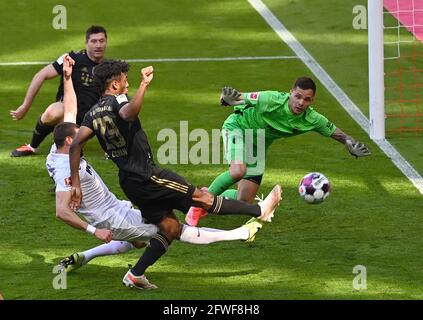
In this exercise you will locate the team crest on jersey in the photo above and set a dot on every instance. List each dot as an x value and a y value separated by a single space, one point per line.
253 96
68 182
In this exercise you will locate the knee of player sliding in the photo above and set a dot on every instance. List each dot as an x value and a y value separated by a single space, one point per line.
139 244
237 171
172 230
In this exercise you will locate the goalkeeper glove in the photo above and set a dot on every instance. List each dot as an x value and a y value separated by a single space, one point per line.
357 148
230 97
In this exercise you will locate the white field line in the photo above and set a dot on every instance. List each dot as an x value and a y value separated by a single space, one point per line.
25 63
286 36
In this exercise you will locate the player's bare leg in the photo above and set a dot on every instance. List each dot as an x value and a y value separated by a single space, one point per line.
247 190
170 229
139 244
237 170
53 114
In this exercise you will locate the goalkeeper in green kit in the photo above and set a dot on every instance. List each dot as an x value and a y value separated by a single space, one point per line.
260 118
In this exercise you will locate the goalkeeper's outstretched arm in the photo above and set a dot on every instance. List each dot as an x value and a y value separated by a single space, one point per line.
231 97
355 148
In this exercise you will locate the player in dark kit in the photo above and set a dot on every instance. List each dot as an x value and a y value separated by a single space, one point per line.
82 77
114 120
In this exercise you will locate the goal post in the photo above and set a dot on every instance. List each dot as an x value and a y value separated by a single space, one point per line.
376 70
395 58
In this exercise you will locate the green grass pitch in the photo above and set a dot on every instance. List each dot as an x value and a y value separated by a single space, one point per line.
372 218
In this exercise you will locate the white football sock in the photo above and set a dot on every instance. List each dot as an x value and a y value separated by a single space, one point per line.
208 235
113 247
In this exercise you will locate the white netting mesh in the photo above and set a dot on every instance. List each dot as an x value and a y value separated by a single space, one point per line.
403 53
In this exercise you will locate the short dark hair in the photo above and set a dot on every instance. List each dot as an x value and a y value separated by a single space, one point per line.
63 130
94 29
107 71
305 83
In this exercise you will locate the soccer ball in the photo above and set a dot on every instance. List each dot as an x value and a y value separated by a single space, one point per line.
314 188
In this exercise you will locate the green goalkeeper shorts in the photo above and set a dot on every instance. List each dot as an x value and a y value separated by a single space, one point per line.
245 145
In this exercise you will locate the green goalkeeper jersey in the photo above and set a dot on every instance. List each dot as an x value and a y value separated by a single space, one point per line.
269 110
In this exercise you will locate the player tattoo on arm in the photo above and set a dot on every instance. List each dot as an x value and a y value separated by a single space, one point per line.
341 136
355 148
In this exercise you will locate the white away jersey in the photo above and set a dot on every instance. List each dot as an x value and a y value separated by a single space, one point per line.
98 203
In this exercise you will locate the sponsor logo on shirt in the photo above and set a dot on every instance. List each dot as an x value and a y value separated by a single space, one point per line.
86 77
253 96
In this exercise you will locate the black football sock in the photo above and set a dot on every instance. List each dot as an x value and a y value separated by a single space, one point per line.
228 206
41 131
157 247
